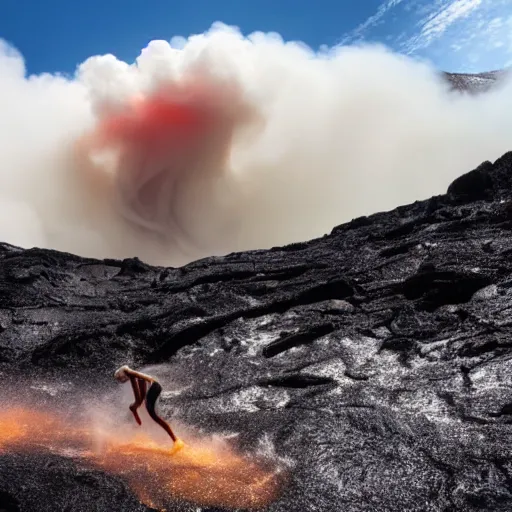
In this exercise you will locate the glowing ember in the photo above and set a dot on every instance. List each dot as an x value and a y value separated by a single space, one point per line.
201 472
12 427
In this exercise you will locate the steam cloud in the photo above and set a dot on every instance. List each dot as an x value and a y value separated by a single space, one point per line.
223 142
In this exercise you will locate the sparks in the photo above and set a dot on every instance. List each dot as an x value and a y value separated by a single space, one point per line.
202 472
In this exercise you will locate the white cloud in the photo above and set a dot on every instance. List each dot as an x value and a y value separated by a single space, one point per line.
197 152
437 22
508 26
359 31
445 31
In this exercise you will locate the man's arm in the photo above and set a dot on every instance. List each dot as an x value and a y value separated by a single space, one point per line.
139 383
132 373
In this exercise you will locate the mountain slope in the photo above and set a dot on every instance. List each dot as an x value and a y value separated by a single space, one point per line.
371 366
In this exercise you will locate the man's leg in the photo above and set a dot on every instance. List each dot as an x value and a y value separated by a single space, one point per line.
139 390
153 393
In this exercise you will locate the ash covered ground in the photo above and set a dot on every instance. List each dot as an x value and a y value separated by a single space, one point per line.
371 366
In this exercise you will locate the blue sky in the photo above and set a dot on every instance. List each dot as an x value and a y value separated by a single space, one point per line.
457 35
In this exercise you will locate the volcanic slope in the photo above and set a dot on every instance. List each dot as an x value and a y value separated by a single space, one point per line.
372 365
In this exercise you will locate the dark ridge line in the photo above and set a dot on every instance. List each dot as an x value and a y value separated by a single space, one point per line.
297 381
294 340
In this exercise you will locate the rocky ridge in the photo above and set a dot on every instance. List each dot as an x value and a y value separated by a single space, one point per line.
475 83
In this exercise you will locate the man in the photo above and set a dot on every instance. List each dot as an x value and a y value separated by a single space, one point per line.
139 383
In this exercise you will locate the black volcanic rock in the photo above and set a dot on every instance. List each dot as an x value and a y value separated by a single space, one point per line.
475 82
376 359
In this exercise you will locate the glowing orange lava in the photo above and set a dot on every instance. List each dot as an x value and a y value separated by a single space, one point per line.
201 472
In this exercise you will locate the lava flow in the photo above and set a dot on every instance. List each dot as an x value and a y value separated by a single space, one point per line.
200 473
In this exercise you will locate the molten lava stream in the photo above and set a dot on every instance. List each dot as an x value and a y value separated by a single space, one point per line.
201 473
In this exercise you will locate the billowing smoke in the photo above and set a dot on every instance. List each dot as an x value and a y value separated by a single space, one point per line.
223 142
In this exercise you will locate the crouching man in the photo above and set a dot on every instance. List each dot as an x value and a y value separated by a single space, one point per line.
139 382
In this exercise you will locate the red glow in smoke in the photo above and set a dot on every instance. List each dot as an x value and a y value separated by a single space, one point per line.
158 143
163 153
153 119
174 114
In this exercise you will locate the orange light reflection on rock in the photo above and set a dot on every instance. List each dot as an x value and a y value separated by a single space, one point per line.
202 472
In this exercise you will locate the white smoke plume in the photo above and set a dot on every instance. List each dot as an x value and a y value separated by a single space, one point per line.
222 142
